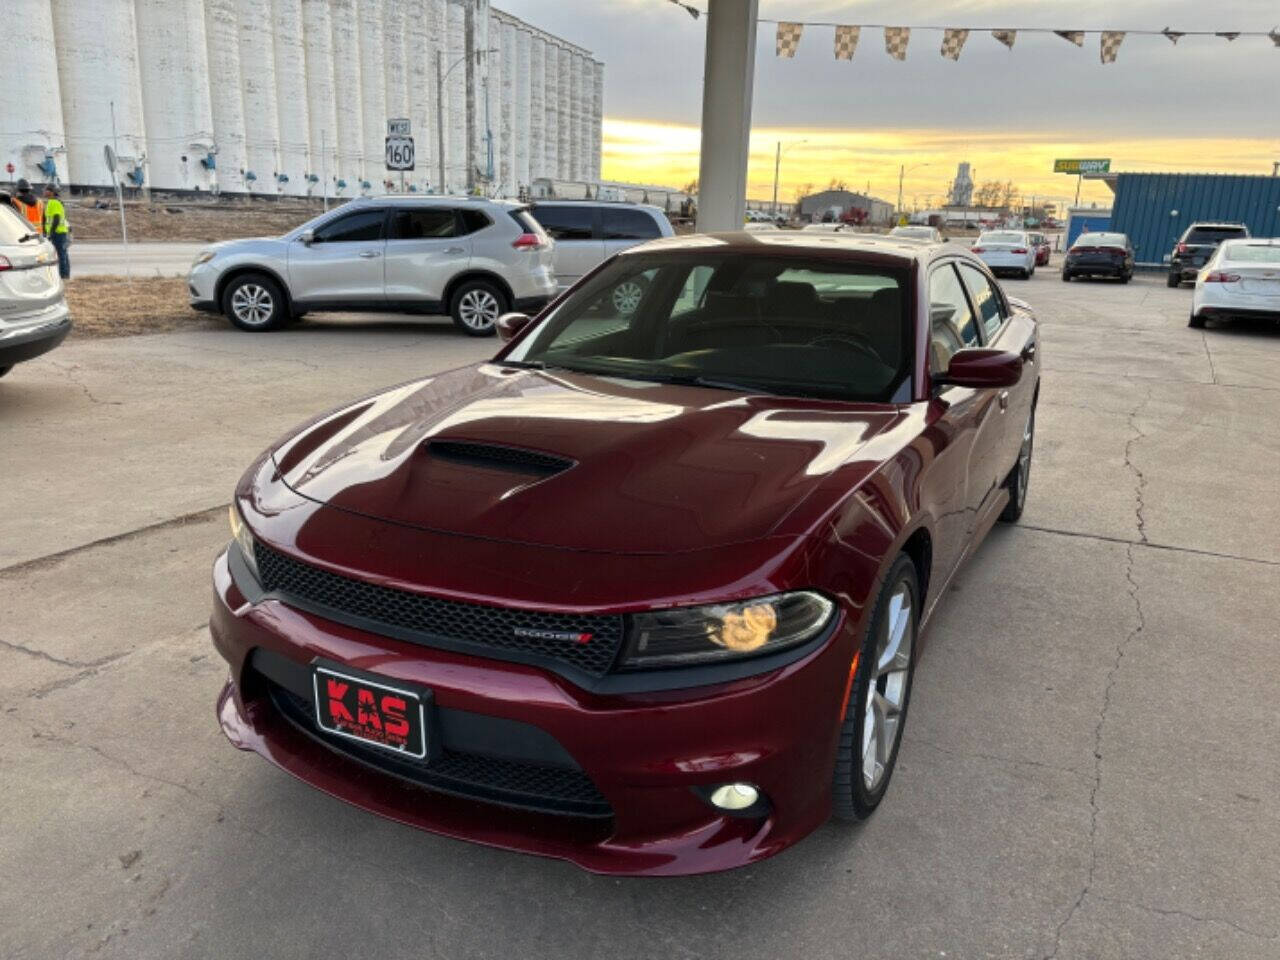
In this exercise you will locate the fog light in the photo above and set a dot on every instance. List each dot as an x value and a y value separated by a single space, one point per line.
735 796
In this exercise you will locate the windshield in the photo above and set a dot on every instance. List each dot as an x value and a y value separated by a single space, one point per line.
758 323
1006 237
1243 252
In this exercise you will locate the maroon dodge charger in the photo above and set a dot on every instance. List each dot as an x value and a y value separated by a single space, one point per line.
647 590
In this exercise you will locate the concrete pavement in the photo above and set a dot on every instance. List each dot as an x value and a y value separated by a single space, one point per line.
151 258
1090 769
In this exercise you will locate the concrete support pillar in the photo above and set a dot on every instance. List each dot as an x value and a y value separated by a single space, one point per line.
728 77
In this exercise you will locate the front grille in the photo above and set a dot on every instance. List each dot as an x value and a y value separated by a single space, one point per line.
517 783
491 631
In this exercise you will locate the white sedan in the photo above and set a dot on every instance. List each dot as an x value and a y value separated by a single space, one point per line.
1241 279
1006 251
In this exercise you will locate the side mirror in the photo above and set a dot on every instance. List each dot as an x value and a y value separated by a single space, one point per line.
981 368
308 237
509 324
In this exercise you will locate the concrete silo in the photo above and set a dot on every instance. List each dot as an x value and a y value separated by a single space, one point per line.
424 38
537 107
226 96
32 137
258 88
551 112
577 117
564 112
317 36
173 65
597 118
505 138
521 110
347 99
97 55
456 173
373 93
291 97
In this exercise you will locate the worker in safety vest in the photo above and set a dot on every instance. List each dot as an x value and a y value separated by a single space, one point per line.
56 229
29 206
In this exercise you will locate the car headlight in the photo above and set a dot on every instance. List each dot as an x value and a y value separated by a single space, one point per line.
204 257
243 538
724 631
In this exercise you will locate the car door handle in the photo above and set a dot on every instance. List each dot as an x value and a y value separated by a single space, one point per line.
368 254
1004 400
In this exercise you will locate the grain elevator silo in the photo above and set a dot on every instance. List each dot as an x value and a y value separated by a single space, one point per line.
32 136
258 87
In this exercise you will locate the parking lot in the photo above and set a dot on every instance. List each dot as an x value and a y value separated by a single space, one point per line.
1091 766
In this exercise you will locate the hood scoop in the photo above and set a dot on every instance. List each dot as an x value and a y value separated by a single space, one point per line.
494 456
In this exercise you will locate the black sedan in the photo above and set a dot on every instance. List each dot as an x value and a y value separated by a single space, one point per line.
1099 255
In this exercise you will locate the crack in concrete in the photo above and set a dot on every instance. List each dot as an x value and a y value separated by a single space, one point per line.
971 755
1213 374
1149 545
69 370
1140 477
73 664
1197 918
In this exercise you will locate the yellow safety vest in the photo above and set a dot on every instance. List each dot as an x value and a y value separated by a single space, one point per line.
54 208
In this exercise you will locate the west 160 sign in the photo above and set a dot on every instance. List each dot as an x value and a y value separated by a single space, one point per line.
1082 166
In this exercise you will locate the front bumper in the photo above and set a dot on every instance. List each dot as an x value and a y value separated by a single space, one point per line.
1007 261
202 283
645 753
28 340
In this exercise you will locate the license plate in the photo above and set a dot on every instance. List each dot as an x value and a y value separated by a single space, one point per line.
373 712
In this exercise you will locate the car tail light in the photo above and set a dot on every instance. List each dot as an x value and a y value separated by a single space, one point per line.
5 264
1018 250
1217 276
977 249
1182 248
527 241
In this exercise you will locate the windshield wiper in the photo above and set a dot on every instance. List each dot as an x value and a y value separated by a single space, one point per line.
717 384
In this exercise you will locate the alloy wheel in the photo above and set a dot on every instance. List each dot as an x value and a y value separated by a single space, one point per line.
1024 458
626 297
887 691
478 309
253 305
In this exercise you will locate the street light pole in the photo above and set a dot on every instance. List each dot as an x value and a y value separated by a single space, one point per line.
440 114
777 163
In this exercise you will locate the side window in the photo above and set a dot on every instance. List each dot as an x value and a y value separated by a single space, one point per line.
691 294
364 225
422 224
951 325
986 299
566 222
473 220
621 223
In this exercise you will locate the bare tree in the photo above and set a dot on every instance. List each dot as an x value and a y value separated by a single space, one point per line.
804 190
988 194
691 188
837 184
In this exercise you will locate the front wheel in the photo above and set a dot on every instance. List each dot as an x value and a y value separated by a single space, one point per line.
1196 322
871 729
1020 475
255 302
476 306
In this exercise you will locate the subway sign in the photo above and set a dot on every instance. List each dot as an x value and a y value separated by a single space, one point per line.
1082 166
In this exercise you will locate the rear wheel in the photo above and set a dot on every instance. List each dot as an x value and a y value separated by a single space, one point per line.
255 302
476 306
1126 277
1196 322
1020 475
1066 276
877 710
1173 280
626 296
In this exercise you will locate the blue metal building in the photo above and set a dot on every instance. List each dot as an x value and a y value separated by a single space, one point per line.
1086 221
1154 208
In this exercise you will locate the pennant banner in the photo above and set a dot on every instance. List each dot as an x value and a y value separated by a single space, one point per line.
1006 37
846 42
1173 35
1275 36
1228 36
953 42
1111 40
1072 36
789 38
895 41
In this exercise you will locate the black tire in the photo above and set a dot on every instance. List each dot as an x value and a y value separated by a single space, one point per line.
1019 477
475 307
852 798
255 295
4 370
1066 276
1196 322
1126 277
1173 280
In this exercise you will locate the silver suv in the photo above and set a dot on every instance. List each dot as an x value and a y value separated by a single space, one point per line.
475 258
589 232
33 310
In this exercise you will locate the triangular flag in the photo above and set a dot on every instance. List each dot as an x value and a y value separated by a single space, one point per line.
895 41
1228 36
1006 37
1072 36
1275 36
1111 40
846 42
789 38
692 11
953 42
1173 35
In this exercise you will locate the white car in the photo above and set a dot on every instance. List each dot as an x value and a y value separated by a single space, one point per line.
760 227
1006 251
1241 279
33 310
823 227
918 232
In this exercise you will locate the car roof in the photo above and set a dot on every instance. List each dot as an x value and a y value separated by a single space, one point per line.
545 201
1216 224
873 246
431 200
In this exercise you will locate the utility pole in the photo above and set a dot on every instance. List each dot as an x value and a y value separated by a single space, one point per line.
324 169
440 113
902 169
777 162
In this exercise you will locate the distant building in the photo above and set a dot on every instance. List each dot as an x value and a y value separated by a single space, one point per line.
835 204
961 194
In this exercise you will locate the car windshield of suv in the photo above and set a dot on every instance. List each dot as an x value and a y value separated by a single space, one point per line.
1213 234
762 324
1241 251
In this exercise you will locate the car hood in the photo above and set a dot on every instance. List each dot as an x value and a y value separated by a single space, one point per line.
579 461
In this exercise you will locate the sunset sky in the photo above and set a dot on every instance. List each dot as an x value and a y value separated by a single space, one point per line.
1203 105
